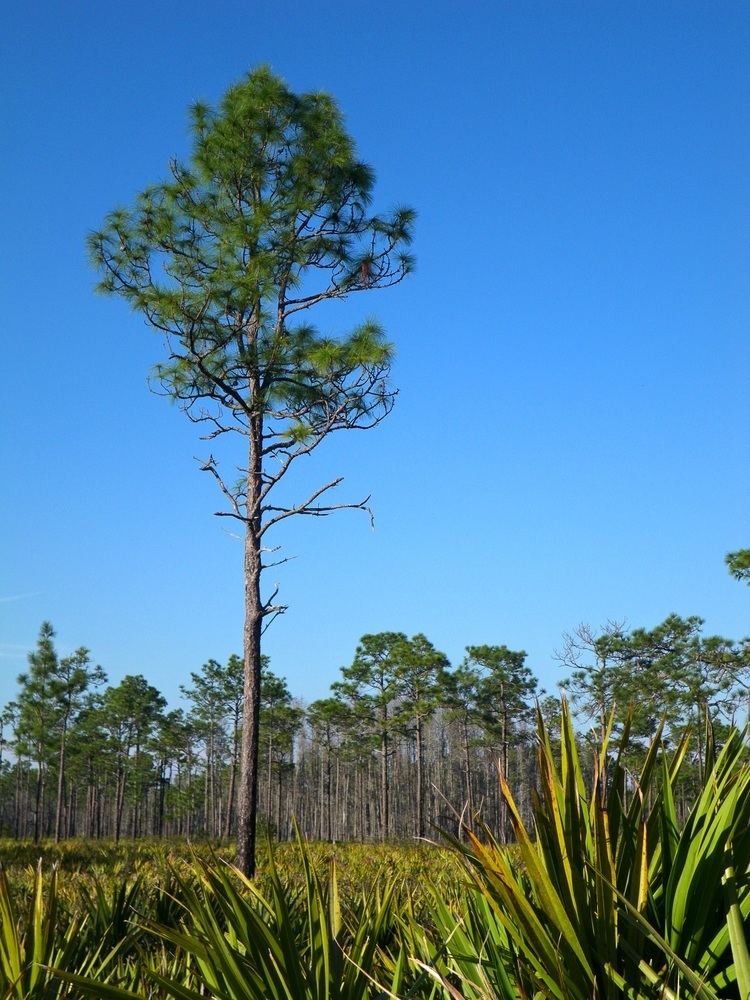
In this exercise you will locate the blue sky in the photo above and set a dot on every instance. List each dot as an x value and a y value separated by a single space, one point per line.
571 438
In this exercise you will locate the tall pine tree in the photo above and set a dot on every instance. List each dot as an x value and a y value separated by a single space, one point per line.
269 219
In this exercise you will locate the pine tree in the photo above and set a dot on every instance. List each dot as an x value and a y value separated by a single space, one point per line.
505 694
72 680
738 564
129 714
370 687
38 714
420 672
270 218
327 718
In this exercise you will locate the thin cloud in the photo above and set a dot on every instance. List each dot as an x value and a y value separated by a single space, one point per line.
19 597
13 651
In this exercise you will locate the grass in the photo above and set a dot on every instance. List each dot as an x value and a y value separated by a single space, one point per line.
360 867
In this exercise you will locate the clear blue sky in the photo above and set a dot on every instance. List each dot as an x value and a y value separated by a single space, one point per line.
571 439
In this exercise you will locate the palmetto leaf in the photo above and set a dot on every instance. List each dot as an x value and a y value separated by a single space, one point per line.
613 898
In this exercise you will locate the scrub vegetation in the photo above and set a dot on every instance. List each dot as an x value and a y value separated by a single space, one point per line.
606 894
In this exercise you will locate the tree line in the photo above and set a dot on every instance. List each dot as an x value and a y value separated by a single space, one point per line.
404 743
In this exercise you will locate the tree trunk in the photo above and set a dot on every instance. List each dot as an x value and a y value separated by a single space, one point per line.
189 804
329 811
162 793
420 779
17 811
469 814
212 784
232 780
247 805
60 785
504 773
72 811
342 802
119 802
320 799
39 801
137 796
269 775
205 794
278 802
385 818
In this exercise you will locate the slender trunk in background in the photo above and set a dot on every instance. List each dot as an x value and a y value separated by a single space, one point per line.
469 817
189 803
60 783
137 796
232 781
180 804
205 794
329 811
523 784
119 802
278 802
504 773
17 814
385 818
162 794
269 776
320 797
420 778
70 815
99 797
26 800
39 801
212 786
336 833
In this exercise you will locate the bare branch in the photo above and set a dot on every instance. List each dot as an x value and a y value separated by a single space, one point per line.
210 466
270 610
308 508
